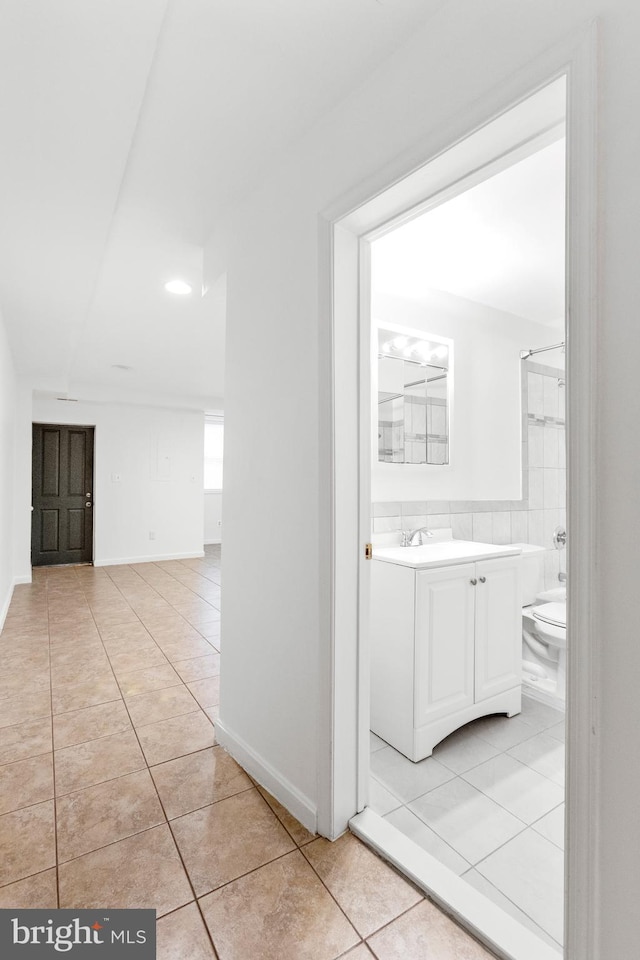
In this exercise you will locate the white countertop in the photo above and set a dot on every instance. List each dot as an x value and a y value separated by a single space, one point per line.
440 554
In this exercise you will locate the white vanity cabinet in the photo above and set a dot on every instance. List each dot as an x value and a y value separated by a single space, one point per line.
446 648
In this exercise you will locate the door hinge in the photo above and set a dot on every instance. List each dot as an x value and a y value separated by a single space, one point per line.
368 551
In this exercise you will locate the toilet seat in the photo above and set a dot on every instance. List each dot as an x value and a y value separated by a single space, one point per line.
554 614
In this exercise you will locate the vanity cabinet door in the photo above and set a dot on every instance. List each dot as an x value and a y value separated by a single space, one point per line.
444 641
498 627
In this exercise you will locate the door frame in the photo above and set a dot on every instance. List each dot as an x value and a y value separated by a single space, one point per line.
344 357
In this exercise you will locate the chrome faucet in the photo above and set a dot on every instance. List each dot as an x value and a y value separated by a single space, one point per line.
408 537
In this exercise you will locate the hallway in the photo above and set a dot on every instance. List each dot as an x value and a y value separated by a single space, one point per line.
114 793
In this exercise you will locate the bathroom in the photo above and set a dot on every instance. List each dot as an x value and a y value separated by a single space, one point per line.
468 432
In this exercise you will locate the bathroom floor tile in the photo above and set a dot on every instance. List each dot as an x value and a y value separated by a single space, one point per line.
369 891
487 889
425 931
381 800
25 782
139 659
98 815
529 870
90 723
96 761
27 739
544 754
557 731
197 780
503 732
471 823
520 790
38 892
227 839
415 829
279 912
405 779
183 934
176 737
375 743
551 826
141 871
462 750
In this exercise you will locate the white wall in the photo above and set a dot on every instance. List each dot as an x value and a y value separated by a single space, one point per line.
276 595
7 461
212 516
158 455
485 423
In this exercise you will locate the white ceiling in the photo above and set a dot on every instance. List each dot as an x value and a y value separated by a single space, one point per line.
127 127
501 243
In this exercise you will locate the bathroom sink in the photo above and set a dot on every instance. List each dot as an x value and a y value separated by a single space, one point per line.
439 554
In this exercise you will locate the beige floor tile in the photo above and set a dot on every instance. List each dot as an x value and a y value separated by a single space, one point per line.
369 891
142 681
23 681
74 696
299 833
153 878
426 932
198 668
206 692
160 705
95 761
195 781
139 659
361 952
175 650
229 838
98 815
279 912
27 739
90 723
182 935
125 632
24 782
79 670
37 892
176 737
27 841
115 618
18 709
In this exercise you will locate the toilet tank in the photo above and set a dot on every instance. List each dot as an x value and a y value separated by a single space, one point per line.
532 560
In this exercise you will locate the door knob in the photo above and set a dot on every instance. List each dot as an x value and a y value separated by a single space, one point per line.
473 582
88 503
483 579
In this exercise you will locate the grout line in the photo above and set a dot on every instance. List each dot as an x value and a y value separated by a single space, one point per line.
53 760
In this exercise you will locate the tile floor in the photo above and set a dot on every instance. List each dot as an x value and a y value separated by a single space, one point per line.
113 791
489 804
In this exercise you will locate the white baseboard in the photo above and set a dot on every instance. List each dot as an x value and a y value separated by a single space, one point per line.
4 610
208 542
155 558
289 796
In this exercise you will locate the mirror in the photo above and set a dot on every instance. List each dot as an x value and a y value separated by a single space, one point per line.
413 398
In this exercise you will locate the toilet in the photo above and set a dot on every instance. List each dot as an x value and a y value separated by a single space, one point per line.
544 630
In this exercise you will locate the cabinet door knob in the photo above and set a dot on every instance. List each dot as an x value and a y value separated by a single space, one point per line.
473 582
483 579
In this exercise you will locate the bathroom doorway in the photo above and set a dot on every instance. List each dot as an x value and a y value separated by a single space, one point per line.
468 531
352 237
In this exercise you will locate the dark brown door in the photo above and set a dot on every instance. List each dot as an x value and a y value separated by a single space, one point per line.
62 520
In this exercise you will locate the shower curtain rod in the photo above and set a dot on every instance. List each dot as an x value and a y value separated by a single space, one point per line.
529 353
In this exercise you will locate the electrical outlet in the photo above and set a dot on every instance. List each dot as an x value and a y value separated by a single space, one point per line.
152 534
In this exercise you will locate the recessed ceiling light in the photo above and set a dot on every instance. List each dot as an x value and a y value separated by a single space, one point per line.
178 286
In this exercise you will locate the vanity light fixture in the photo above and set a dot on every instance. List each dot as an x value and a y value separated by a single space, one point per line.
178 287
399 342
